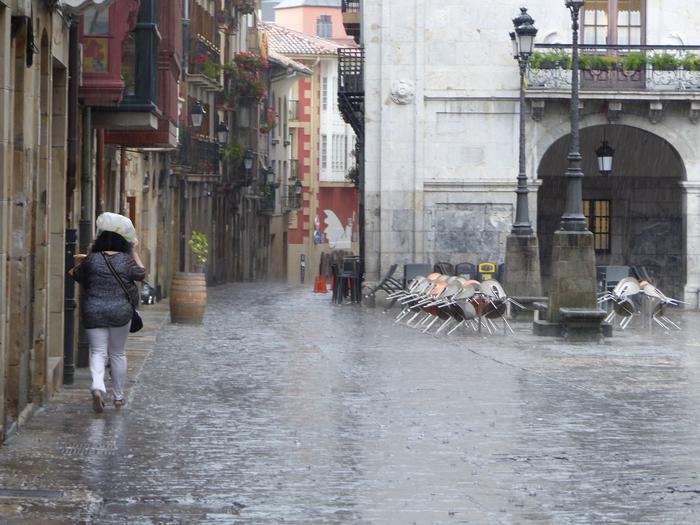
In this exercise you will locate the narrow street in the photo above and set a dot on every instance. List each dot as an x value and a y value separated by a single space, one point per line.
283 408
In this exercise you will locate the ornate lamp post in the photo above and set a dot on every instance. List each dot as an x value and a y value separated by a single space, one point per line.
524 41
522 262
573 218
573 282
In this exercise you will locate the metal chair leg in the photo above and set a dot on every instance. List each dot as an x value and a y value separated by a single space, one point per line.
455 327
431 324
667 320
444 325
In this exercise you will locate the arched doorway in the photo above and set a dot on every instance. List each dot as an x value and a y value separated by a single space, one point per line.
636 212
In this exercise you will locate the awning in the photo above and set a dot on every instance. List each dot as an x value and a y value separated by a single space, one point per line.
77 7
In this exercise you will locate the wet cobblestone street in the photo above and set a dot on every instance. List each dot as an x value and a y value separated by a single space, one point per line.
283 408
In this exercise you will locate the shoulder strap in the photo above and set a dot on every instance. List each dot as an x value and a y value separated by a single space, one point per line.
116 276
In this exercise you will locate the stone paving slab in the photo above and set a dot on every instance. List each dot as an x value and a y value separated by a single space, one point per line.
283 408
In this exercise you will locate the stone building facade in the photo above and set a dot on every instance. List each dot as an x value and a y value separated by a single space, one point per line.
441 125
34 40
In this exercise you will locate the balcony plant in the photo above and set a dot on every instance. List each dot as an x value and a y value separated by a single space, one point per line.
245 79
634 62
553 60
664 62
233 154
353 176
245 7
268 120
203 64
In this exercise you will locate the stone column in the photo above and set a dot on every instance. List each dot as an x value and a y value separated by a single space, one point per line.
691 212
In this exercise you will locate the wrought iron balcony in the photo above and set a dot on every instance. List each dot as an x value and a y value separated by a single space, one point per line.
200 155
351 88
658 69
351 18
292 200
266 204
204 63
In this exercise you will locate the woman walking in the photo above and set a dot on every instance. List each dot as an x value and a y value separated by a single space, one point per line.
105 309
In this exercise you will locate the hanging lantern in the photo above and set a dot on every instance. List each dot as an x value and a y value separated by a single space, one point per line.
605 155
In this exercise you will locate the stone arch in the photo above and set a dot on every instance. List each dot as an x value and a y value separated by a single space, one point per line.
553 129
643 219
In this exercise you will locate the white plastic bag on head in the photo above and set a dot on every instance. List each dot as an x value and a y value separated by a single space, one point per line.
113 222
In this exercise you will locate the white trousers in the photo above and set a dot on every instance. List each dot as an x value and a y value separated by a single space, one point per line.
108 343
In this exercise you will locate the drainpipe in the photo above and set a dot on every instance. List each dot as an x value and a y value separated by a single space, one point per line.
166 192
87 217
183 216
100 181
69 303
122 181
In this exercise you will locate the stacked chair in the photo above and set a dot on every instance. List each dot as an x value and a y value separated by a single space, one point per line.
452 301
631 298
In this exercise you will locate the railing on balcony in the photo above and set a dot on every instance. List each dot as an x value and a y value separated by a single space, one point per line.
350 6
351 88
351 18
201 156
267 203
292 200
617 68
293 110
204 59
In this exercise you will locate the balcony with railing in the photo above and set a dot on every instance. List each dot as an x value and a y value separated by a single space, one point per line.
351 88
267 202
205 60
642 71
351 18
291 200
199 155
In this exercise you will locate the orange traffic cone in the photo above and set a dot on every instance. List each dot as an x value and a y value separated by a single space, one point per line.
320 284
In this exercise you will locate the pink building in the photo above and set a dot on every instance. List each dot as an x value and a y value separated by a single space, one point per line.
322 18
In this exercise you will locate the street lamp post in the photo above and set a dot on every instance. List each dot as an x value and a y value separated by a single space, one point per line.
522 260
573 218
572 291
523 40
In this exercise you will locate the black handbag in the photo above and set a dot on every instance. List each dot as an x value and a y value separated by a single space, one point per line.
136 321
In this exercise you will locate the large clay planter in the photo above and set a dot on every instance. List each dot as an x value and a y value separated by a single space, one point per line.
188 298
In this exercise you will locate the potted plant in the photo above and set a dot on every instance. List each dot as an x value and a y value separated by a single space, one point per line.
199 246
188 291
665 62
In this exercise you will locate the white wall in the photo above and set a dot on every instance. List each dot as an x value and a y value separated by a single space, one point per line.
340 139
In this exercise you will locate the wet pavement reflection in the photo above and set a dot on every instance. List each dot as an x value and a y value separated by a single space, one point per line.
284 408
